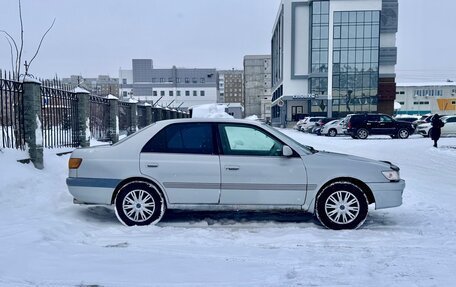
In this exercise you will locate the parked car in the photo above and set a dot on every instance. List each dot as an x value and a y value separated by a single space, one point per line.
424 119
448 129
309 123
228 164
300 123
319 124
410 119
333 128
360 126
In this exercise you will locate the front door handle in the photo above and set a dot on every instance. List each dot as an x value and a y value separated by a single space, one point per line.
232 167
152 165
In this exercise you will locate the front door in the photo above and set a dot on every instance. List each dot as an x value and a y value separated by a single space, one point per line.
254 171
182 158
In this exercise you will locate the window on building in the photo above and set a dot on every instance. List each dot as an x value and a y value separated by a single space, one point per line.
125 94
202 93
178 93
194 81
155 94
124 81
195 93
162 80
171 93
202 80
162 93
187 93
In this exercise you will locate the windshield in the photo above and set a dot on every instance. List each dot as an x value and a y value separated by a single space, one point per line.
305 148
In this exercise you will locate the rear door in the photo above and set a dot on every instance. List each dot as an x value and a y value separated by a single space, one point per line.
184 159
255 172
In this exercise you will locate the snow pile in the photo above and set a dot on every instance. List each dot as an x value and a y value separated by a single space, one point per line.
47 241
252 118
210 111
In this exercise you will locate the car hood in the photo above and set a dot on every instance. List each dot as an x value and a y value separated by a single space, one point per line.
352 158
426 125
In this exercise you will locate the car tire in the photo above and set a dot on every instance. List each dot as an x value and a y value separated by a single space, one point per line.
403 134
332 132
362 134
342 205
139 203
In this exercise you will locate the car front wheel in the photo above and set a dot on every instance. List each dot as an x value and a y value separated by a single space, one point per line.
403 134
342 205
139 203
332 132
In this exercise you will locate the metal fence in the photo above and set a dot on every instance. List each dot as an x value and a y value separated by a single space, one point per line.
99 118
11 113
59 113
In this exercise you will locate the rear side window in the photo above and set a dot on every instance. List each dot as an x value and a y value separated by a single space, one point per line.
192 138
373 118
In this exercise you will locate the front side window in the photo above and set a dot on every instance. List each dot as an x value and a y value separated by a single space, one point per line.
385 119
250 141
182 138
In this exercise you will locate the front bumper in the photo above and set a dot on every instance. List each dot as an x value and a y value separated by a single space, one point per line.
387 194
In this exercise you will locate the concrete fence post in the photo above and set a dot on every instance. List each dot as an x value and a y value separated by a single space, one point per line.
113 130
148 114
133 120
33 121
83 116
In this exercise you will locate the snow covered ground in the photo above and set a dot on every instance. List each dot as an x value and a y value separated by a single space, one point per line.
45 240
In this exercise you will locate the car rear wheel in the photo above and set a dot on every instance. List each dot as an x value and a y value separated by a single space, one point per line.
403 134
342 205
332 132
139 203
362 134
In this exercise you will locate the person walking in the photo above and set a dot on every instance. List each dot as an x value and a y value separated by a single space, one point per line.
436 130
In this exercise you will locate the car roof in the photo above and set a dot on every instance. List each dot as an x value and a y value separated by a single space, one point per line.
211 120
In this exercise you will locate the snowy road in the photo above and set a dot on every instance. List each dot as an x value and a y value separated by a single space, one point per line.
45 240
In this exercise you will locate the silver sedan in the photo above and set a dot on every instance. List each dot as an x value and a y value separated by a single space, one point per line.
224 164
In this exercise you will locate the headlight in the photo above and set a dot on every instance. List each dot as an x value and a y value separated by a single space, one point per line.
391 175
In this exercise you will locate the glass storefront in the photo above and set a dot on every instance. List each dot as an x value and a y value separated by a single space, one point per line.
355 61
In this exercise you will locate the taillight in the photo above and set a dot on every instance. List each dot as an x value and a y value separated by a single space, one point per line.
74 163
349 125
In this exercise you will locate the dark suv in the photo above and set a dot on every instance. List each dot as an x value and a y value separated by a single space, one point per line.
360 126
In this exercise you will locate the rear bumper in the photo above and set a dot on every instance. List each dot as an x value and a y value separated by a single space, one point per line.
91 191
388 194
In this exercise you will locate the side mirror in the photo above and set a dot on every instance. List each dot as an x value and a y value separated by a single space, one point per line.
287 151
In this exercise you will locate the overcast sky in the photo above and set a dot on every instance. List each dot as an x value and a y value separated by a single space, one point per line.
98 37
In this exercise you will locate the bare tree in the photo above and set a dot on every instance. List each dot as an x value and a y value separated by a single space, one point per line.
16 59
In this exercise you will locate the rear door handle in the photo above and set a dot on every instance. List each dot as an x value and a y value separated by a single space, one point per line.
152 165
232 167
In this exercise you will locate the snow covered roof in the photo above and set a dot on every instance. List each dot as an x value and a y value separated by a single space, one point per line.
429 84
111 97
79 90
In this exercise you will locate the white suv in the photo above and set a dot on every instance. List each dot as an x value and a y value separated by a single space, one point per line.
223 164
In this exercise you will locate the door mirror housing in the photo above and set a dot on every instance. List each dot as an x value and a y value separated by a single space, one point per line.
287 151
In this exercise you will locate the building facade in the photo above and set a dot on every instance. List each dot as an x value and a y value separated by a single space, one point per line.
257 83
333 57
426 98
175 87
103 85
231 86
